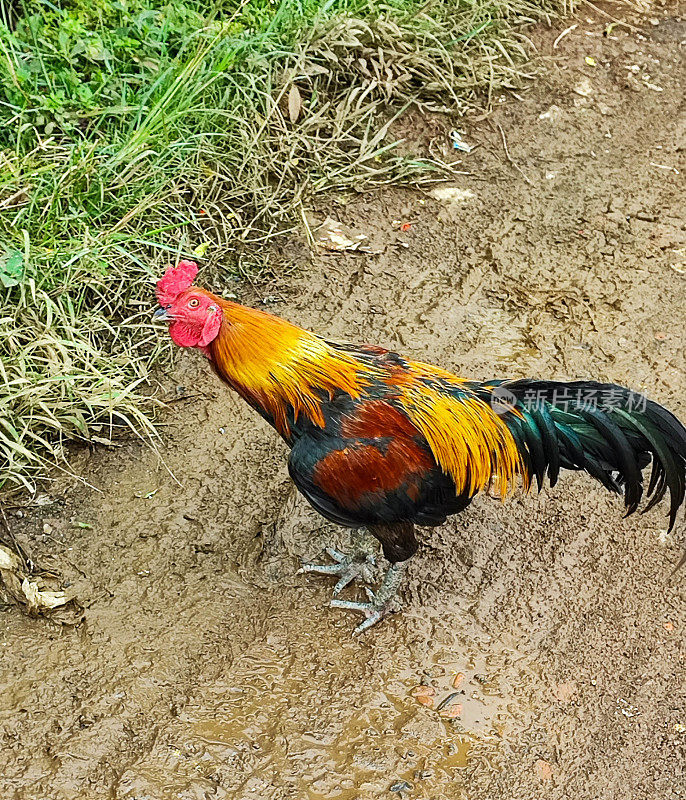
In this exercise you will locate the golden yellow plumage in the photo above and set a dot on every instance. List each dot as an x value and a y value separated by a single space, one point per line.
469 440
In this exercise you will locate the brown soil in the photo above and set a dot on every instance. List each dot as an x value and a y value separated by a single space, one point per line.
206 667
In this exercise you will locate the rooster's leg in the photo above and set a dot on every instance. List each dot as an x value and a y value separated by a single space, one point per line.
381 602
348 567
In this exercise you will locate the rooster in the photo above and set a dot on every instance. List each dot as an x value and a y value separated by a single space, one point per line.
380 443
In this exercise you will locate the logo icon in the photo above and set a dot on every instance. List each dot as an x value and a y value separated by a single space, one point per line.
502 400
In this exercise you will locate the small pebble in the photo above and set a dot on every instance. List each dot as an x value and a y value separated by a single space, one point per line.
543 770
423 690
453 712
401 786
457 680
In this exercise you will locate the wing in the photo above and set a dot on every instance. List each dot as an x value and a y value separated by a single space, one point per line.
372 467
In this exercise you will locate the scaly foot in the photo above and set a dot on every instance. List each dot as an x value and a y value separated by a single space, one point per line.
381 603
347 567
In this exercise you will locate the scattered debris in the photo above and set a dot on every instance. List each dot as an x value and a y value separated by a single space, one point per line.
332 236
553 114
664 166
509 157
423 691
400 786
452 195
146 495
590 61
457 680
627 709
669 626
295 104
451 713
679 727
584 88
647 83
564 692
459 143
447 701
564 33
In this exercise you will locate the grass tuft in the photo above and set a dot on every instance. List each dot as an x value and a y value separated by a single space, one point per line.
132 133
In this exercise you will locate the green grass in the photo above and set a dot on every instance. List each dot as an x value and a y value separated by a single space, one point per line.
133 132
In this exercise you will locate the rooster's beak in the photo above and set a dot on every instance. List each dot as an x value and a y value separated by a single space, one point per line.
161 315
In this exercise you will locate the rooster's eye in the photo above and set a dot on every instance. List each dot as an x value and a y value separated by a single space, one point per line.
193 302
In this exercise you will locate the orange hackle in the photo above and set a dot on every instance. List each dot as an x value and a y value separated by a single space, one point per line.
279 366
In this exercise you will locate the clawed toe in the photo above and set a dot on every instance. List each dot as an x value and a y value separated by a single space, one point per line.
346 568
355 570
375 610
380 603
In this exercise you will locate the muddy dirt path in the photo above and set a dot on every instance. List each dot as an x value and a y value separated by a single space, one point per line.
207 668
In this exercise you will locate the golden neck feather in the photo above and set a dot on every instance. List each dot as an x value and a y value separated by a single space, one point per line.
279 367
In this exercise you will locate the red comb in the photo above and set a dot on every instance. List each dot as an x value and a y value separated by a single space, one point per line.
175 280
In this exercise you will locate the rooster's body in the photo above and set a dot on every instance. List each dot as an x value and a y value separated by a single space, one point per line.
383 443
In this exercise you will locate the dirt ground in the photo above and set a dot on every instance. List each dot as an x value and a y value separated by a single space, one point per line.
206 667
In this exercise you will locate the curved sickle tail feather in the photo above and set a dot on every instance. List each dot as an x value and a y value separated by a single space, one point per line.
607 430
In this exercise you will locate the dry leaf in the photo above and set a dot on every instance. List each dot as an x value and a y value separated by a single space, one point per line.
9 560
295 103
24 591
37 600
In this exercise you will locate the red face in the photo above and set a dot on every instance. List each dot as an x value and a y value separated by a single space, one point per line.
194 317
